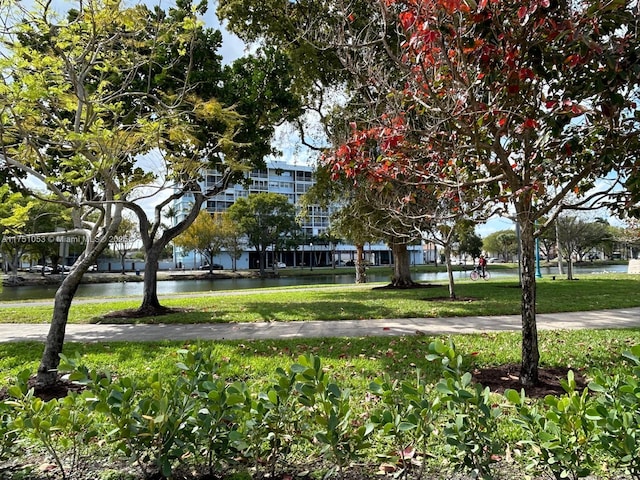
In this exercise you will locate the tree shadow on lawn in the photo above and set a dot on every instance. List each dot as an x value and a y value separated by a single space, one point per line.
390 353
333 308
256 312
497 378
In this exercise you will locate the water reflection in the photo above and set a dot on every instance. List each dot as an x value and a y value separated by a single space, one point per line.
134 289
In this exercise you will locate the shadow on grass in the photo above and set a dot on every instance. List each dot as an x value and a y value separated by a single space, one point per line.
322 306
351 361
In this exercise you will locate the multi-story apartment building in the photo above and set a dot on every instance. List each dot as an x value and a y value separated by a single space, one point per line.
293 181
287 179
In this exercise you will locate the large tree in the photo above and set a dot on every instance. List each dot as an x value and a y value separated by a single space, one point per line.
503 243
577 236
531 102
232 239
265 218
247 101
204 236
76 118
14 220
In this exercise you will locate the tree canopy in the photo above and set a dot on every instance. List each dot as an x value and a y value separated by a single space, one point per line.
524 105
503 243
206 236
265 218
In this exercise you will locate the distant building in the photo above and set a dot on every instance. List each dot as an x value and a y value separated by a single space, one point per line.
293 181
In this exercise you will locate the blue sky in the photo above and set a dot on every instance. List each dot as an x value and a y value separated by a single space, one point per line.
232 46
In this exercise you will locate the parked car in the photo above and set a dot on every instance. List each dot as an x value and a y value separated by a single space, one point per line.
281 265
352 263
213 266
41 268
61 269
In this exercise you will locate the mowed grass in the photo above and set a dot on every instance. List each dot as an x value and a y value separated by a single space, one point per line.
346 302
354 362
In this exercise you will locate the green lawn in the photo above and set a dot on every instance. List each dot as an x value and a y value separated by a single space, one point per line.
355 361
330 302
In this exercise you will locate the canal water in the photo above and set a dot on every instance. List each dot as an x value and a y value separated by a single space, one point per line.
134 289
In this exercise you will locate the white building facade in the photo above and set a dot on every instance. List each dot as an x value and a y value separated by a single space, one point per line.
292 181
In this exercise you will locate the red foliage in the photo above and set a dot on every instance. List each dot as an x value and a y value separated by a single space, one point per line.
495 79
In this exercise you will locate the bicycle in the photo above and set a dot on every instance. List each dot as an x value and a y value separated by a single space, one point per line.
476 273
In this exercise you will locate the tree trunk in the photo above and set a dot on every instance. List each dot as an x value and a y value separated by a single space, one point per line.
48 370
361 275
13 262
530 352
447 259
401 266
559 253
262 255
569 267
150 304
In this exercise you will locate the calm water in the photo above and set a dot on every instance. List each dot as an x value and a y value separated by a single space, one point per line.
205 285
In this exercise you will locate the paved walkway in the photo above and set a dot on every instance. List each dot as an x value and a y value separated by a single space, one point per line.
623 318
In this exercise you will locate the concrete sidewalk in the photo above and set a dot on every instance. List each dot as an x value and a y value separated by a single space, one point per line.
623 318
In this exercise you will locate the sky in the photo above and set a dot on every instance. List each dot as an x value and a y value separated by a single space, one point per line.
232 47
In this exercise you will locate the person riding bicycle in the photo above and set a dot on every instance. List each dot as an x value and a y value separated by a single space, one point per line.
482 265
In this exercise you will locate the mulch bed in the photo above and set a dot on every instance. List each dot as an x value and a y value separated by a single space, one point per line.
503 377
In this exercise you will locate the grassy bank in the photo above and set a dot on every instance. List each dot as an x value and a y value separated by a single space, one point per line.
331 302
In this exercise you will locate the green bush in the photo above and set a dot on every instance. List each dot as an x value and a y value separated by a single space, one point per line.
342 436
617 413
276 425
408 415
164 421
62 427
200 419
9 435
560 432
470 415
214 417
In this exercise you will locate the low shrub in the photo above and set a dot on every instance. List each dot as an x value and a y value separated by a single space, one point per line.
616 410
200 420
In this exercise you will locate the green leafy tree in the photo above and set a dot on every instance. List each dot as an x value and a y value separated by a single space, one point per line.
78 122
576 237
504 243
246 101
468 241
204 236
348 218
232 239
14 216
625 238
264 218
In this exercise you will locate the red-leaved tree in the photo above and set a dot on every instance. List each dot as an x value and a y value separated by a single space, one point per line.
527 104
